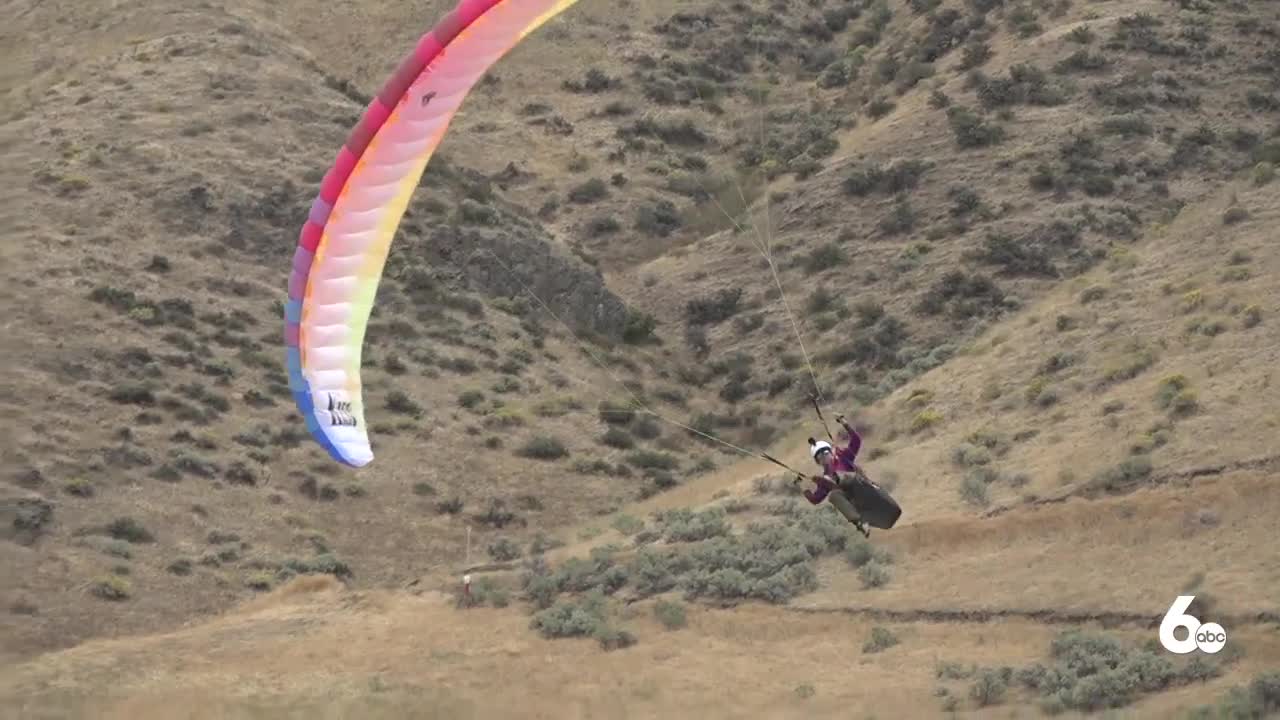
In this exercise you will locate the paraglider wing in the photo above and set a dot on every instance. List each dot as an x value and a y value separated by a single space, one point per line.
343 246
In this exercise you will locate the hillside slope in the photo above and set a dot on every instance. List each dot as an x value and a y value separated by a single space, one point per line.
968 586
154 433
1026 244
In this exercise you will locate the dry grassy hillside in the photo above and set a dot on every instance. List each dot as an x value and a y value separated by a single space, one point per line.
1027 241
158 468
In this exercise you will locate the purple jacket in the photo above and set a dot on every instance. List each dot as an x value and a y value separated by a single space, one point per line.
844 463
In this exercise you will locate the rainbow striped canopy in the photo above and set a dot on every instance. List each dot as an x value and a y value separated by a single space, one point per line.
343 246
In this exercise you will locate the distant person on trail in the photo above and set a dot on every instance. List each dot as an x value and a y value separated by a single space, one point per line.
829 484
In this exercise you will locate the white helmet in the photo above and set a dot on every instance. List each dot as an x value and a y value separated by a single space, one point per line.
817 448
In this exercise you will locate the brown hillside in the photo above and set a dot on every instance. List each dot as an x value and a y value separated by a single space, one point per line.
1025 246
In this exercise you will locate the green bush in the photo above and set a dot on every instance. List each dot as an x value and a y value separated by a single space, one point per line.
504 550
322 564
1175 395
1128 472
971 130
486 591
1259 699
873 575
1091 672
591 191
616 413
611 638
646 428
714 309
973 490
451 506
989 688
650 460
860 551
967 454
618 438
658 219
544 447
628 524
670 614
129 530
111 587
399 402
639 328
684 525
880 639
470 399
572 618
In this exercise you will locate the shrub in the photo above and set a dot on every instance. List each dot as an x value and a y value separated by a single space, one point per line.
714 309
260 581
970 130
684 525
497 515
452 506
873 575
111 587
989 688
618 438
646 428
1081 34
901 219
967 454
568 618
650 460
133 395
79 488
670 614
1259 699
1175 395
504 550
924 420
880 639
639 328
470 399
322 564
543 447
616 413
591 191
1252 316
399 402
658 219
627 524
1091 672
595 81
1234 215
859 552
129 530
1128 472
611 638
1129 364
973 490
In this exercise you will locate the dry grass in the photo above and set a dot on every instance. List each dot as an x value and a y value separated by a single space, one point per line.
381 655
171 153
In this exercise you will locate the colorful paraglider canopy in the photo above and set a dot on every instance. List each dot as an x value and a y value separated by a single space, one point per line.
343 246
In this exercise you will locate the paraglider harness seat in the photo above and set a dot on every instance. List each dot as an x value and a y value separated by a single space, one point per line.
870 504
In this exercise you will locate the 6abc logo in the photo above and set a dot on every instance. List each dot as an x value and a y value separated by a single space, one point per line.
1208 638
